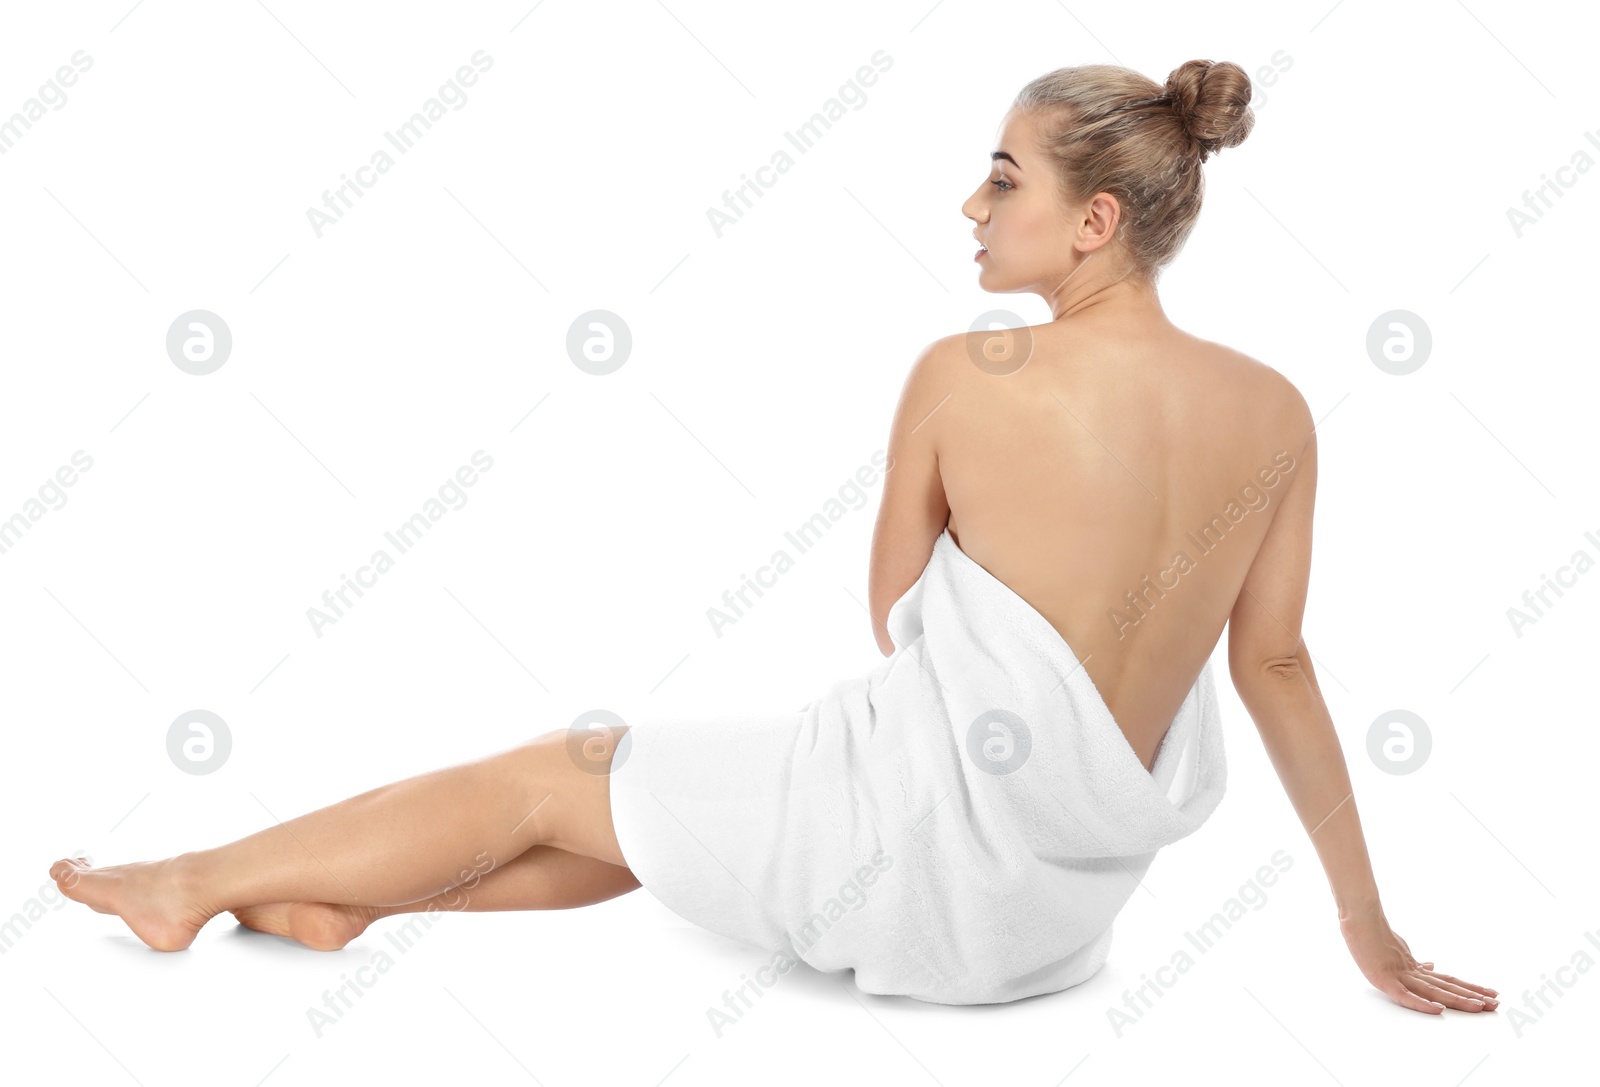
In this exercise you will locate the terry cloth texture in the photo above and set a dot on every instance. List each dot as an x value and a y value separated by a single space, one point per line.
960 825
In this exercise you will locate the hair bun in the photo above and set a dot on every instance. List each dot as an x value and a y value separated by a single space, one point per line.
1212 102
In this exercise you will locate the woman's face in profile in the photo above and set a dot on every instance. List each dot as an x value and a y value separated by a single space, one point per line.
1021 219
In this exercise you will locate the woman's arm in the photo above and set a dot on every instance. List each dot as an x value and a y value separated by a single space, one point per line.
1297 731
913 510
1272 671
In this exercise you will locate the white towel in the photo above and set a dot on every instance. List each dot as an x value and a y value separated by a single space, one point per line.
897 827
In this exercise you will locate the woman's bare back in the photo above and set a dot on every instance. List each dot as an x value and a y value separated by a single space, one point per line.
1120 482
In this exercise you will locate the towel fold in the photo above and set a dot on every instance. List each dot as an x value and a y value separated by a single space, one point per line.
960 825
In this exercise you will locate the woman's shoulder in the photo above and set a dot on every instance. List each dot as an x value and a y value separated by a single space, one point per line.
1271 394
1259 390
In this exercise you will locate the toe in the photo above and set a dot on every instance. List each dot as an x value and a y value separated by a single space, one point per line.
66 872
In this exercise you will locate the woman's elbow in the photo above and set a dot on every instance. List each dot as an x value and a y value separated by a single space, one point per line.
880 632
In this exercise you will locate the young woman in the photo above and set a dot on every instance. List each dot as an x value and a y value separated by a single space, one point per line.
1091 499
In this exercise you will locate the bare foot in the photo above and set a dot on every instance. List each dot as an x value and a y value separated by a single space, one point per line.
322 926
158 900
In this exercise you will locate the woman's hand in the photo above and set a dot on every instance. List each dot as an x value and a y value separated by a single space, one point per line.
1386 962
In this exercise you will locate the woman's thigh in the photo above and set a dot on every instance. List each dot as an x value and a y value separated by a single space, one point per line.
574 814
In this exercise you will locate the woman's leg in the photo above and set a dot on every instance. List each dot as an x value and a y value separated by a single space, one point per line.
541 878
389 846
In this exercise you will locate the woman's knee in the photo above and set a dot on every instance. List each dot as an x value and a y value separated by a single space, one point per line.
569 779
590 747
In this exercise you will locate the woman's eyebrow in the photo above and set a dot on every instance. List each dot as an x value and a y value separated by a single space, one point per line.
1004 155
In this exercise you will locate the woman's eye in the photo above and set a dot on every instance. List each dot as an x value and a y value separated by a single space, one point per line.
1004 182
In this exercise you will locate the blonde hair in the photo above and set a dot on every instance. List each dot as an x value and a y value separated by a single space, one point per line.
1110 129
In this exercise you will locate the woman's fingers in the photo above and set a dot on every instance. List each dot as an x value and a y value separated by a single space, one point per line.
1463 990
1408 999
1422 986
1479 989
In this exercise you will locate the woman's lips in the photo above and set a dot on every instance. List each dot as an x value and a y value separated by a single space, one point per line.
980 254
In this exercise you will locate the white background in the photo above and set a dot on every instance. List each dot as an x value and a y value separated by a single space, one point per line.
431 321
